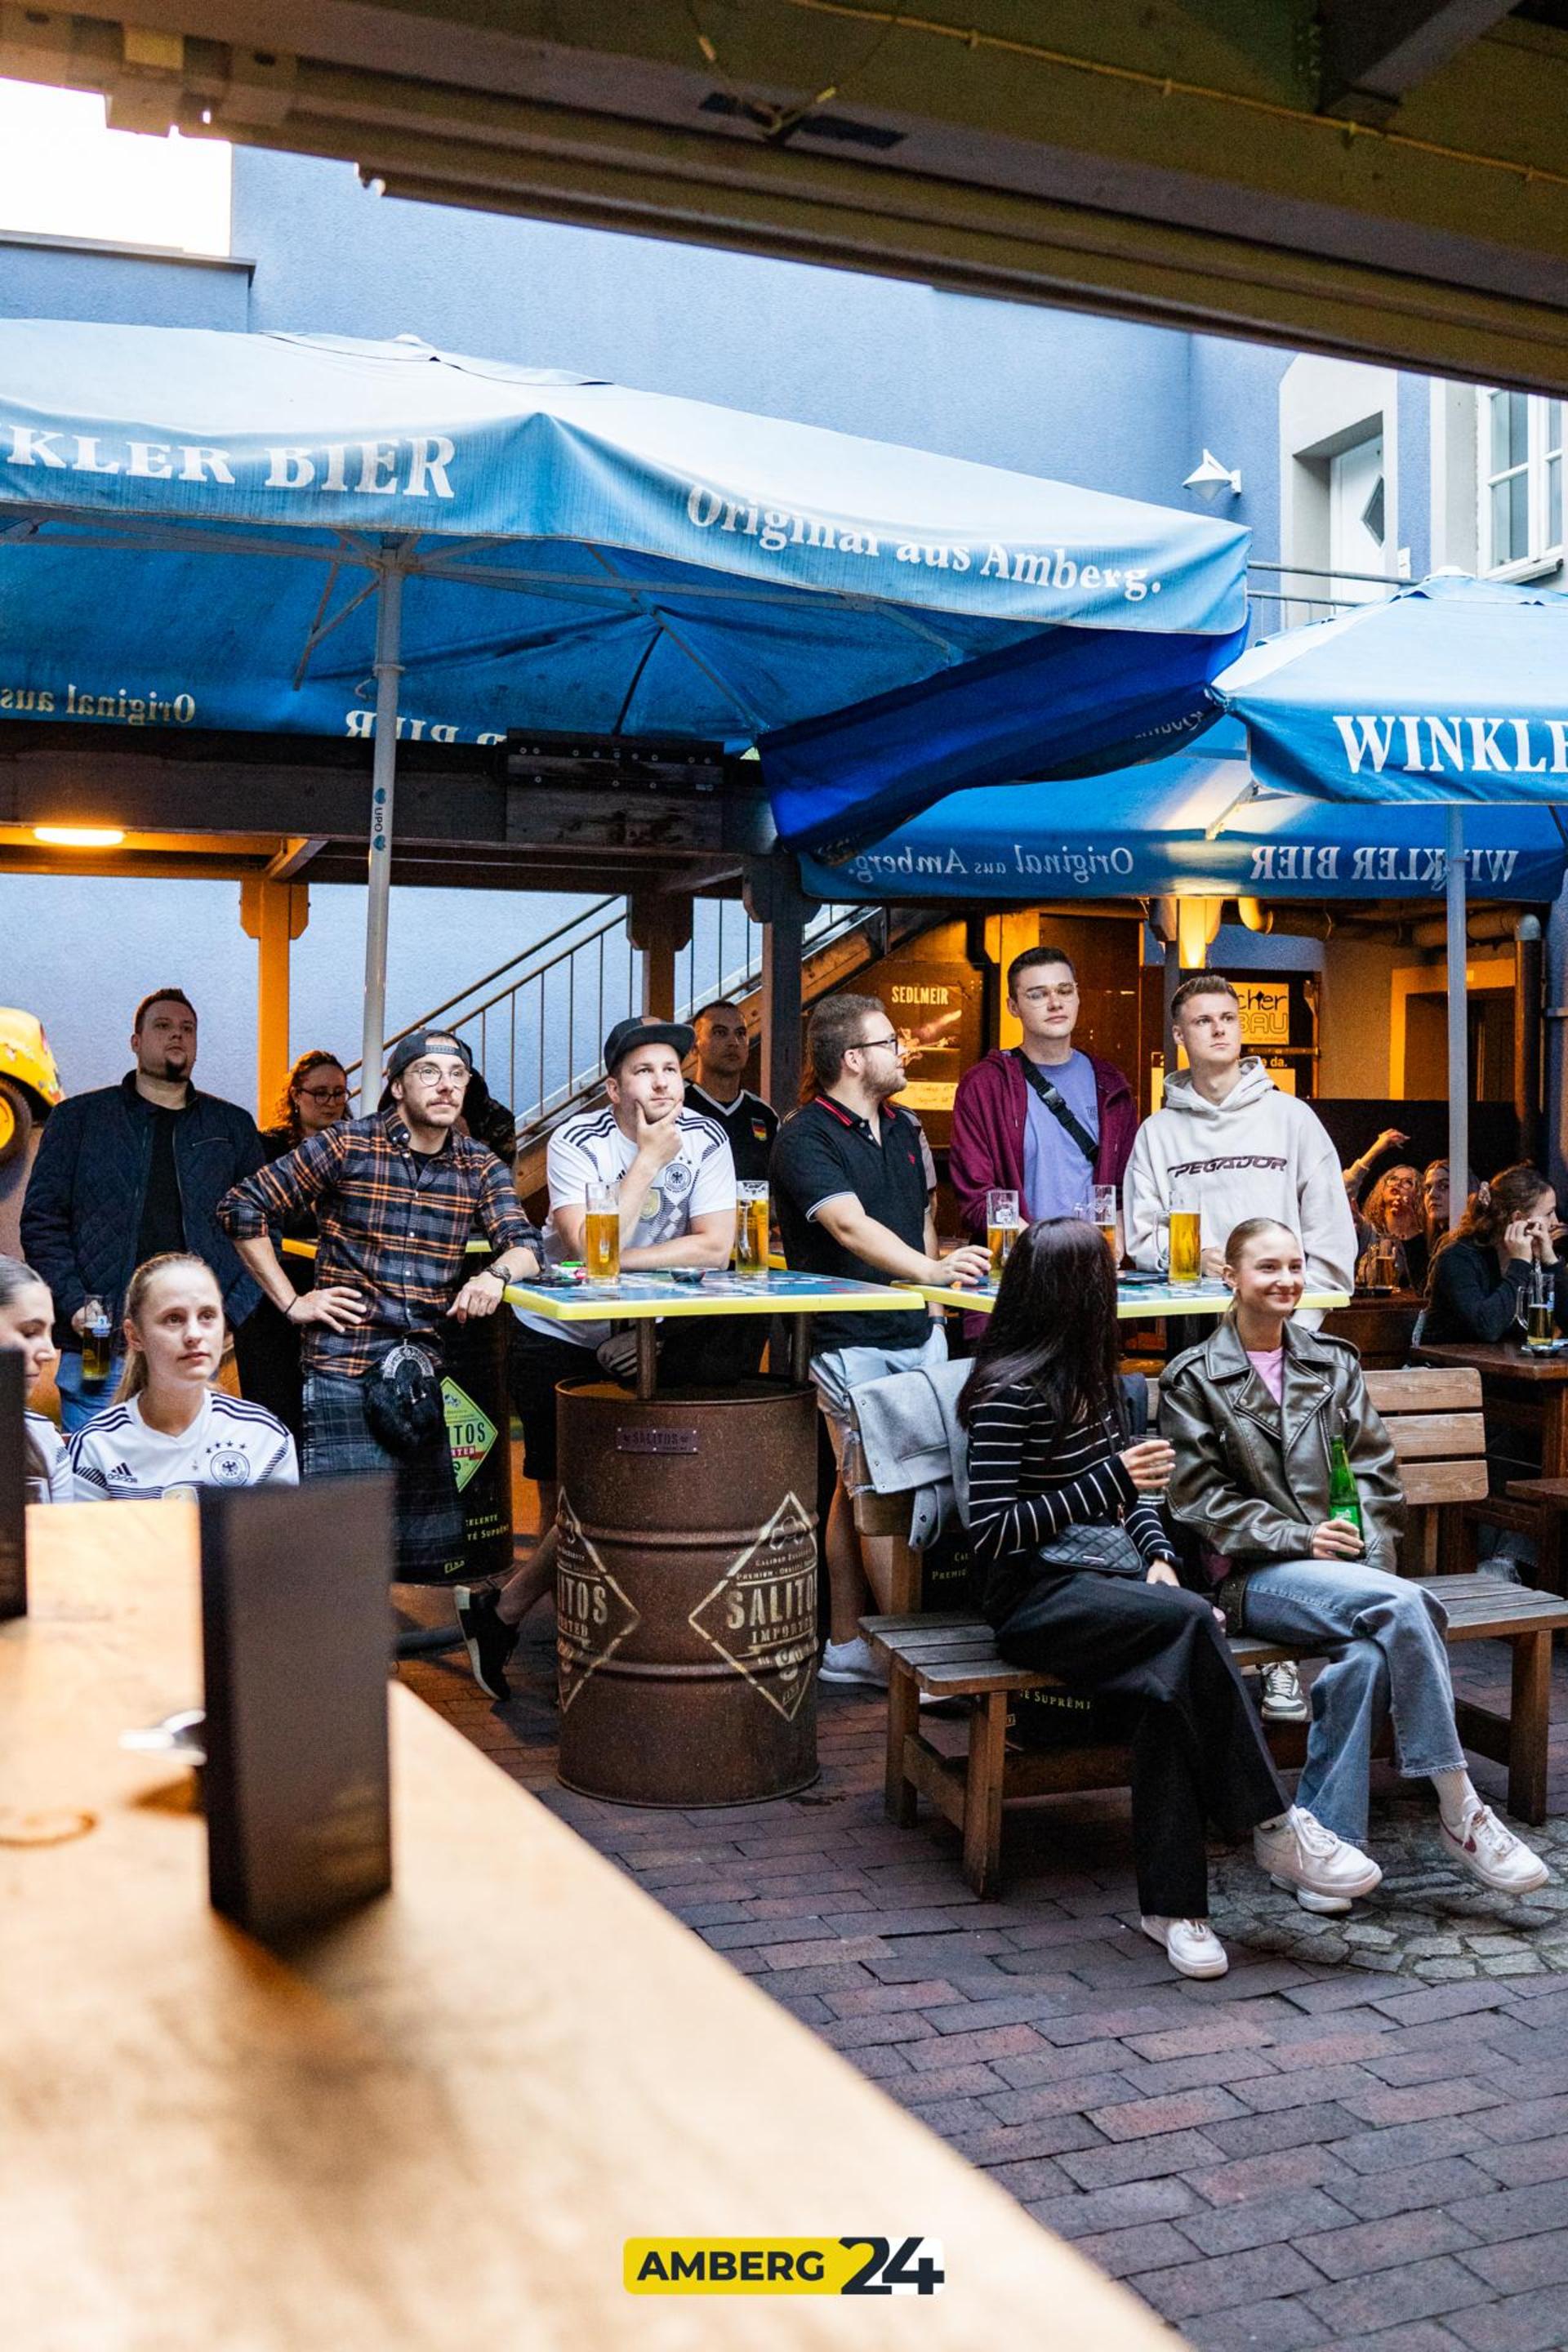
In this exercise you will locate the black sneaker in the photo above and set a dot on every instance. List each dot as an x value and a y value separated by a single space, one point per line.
489 1641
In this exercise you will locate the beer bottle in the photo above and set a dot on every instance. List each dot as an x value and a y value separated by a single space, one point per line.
1344 1503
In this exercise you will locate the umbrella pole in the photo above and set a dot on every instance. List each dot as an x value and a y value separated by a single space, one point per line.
383 775
1459 1025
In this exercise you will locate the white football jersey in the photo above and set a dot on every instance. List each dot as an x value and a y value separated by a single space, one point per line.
55 1485
591 1149
116 1458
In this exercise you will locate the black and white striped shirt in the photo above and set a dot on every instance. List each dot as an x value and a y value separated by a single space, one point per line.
1022 1492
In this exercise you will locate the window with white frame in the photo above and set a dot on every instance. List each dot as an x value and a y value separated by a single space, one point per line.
1520 481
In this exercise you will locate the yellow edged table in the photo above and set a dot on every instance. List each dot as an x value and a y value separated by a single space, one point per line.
1136 1302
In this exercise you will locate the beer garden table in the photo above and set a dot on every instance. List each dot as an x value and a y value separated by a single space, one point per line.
1136 1302
437 2122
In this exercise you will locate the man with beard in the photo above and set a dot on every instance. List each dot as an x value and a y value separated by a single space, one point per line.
134 1171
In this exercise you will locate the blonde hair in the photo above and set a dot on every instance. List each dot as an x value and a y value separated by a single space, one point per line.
134 1379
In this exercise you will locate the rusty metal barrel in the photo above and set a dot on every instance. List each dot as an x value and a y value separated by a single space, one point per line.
686 1593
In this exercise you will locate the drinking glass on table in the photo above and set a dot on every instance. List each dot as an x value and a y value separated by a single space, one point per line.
751 1229
1187 1230
601 1233
1103 1211
1004 1223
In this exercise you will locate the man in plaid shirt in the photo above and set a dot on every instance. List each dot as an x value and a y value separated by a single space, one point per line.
396 1196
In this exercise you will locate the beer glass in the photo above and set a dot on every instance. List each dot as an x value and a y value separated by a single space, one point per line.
1540 1330
97 1344
751 1230
1186 1231
1102 1211
601 1233
1004 1223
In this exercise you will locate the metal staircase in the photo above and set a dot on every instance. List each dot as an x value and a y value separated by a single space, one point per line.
535 1025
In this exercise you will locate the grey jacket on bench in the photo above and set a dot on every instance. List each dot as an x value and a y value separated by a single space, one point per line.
910 1443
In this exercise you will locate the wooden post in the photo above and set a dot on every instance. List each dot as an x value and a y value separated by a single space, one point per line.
659 925
273 914
774 898
1007 936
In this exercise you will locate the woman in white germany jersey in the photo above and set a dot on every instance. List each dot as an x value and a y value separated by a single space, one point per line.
169 1431
27 1326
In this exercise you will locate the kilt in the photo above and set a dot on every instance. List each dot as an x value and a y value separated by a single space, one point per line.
429 1519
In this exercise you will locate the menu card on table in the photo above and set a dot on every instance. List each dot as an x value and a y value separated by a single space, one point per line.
297 1631
13 1487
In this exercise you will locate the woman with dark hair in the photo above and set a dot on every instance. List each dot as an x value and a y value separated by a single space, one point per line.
315 1096
1080 1576
27 1326
1482 1272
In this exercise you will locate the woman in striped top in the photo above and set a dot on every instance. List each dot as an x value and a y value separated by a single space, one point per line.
1080 1575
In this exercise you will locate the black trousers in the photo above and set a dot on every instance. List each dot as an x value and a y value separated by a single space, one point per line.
267 1359
1198 1750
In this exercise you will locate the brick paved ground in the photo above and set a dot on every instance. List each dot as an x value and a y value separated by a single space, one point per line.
1357 2139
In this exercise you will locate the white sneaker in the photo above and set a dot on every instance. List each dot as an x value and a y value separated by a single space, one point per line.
1284 1701
852 1661
1191 1946
1300 1854
1493 1855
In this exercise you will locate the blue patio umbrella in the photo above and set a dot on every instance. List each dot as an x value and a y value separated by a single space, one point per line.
411 541
1197 823
1455 691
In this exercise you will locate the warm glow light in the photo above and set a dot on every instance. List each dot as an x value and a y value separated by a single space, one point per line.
80 836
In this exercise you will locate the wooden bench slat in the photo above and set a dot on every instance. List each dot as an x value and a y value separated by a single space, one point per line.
1425 1483
1425 1388
1418 1436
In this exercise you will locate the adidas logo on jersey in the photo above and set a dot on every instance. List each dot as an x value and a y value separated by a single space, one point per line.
123 1472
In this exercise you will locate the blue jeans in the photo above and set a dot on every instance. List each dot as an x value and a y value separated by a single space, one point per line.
77 1404
1383 1636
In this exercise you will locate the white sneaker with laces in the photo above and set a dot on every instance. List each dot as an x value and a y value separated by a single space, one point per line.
1300 1854
1492 1854
1284 1701
1191 1946
852 1661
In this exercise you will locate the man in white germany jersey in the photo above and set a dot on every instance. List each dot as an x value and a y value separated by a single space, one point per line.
675 1181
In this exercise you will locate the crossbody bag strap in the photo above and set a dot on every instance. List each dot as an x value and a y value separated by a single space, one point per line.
1034 1077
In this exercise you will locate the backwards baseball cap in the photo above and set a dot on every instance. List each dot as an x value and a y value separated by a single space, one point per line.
420 1042
627 1035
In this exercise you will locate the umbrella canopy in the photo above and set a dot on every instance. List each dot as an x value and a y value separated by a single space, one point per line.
1195 824
1455 690
885 625
1452 692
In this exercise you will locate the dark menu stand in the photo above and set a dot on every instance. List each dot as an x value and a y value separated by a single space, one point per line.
13 1487
297 1640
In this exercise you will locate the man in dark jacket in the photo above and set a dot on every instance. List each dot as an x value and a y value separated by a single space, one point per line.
126 1173
1010 1135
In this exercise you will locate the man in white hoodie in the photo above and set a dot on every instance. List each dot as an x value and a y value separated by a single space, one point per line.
1248 1150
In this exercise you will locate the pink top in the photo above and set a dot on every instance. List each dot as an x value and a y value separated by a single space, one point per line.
1269 1363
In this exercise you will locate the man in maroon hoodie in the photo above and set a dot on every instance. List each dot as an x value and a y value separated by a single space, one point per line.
1040 1120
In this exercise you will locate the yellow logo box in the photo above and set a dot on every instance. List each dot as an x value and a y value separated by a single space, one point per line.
783 2267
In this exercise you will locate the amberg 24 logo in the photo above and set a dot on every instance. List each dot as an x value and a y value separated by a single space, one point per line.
866 2265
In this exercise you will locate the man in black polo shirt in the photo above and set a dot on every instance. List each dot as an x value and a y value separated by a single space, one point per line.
723 1050
850 1185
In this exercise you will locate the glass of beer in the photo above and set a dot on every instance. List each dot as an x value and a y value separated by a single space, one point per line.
1103 1211
751 1230
1186 1231
97 1344
1004 1223
601 1233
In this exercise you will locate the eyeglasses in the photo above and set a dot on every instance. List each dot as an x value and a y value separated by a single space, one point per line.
325 1094
864 1044
430 1073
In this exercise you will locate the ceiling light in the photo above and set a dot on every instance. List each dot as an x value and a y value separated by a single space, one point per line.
1211 480
80 836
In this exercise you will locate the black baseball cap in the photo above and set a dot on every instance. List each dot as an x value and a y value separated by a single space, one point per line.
420 1042
635 1030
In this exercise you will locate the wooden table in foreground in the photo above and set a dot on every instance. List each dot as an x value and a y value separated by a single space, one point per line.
434 2128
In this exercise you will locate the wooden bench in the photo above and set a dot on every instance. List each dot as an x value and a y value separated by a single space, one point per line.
1434 1419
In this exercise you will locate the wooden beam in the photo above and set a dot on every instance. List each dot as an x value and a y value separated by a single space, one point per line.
774 898
1377 51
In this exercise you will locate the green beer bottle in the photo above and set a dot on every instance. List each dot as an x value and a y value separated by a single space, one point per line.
1344 1503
